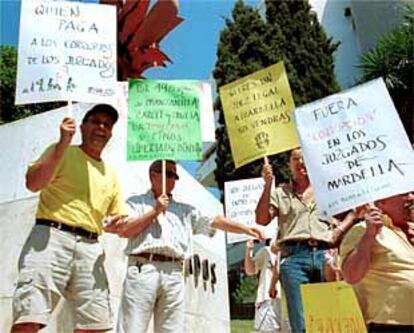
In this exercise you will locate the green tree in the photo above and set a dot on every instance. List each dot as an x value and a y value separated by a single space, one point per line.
245 47
246 290
308 49
249 43
393 60
8 71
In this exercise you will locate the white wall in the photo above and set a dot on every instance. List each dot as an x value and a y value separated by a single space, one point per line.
369 21
342 29
375 18
207 307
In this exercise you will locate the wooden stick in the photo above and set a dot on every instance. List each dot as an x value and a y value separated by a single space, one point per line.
70 109
338 267
164 186
266 160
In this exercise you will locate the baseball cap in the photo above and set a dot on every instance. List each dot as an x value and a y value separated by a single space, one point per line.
102 108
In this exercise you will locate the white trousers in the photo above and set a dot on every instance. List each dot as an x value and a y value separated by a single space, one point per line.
266 318
152 288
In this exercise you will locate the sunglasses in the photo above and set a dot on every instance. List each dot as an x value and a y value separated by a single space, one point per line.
169 174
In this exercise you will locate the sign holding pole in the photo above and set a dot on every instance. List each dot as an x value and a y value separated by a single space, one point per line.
164 178
67 51
258 110
355 148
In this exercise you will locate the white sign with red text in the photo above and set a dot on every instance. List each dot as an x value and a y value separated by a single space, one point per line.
355 148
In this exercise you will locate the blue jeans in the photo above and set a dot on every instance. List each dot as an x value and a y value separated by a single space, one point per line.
304 264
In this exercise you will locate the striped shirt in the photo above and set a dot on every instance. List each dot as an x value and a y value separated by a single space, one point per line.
170 233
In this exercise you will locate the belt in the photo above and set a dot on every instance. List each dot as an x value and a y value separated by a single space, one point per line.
65 227
157 257
390 328
308 242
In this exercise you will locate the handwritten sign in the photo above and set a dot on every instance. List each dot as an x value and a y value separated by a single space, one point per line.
355 148
258 111
241 198
164 120
331 307
67 51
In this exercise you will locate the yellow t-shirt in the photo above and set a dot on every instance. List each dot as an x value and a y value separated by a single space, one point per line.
81 193
386 292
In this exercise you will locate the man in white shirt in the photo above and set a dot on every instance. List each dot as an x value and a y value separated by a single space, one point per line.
159 233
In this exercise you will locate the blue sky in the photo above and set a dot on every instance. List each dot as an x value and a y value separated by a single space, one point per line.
191 46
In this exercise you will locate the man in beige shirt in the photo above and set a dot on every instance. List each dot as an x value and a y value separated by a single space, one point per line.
379 263
303 237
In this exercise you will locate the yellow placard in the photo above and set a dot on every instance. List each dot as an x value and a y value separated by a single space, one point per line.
331 307
258 110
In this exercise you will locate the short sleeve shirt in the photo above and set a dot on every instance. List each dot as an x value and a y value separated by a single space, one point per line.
297 220
170 233
82 192
386 292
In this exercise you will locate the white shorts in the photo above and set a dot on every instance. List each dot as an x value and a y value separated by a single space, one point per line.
54 264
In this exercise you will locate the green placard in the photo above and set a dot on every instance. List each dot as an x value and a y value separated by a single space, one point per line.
164 120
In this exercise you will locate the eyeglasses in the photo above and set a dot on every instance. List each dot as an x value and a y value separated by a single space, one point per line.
169 174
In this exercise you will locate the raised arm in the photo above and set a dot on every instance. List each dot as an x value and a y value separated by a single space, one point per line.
249 266
263 215
40 174
356 263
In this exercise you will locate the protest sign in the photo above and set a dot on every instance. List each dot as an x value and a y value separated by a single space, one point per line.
331 307
67 51
355 148
241 198
258 111
164 120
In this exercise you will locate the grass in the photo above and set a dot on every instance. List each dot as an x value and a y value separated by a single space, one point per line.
241 326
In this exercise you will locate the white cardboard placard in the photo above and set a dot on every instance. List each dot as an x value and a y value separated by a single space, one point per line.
67 51
355 148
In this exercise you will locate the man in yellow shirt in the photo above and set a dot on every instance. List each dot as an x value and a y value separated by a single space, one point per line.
379 263
62 257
